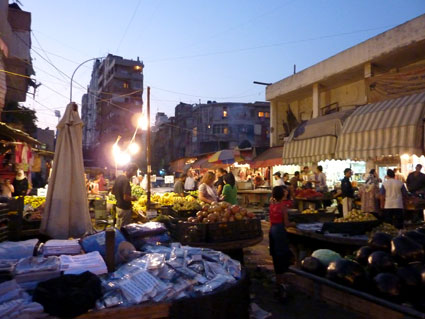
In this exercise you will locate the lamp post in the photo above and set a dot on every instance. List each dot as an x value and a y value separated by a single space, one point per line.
73 73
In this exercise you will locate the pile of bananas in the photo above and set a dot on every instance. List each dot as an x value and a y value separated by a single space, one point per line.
355 216
110 199
309 211
168 199
136 190
34 201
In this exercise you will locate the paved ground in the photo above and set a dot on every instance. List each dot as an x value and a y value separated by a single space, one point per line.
260 269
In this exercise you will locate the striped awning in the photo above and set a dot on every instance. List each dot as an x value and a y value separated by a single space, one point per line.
387 128
314 140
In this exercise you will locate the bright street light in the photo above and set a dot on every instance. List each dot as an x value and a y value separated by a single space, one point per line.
143 122
133 148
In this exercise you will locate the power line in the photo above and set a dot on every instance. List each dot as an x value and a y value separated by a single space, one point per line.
263 46
43 50
128 25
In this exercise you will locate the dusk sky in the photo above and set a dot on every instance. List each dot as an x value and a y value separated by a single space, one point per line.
196 50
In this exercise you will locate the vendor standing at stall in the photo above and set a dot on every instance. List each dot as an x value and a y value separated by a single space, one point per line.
320 180
179 185
392 194
278 181
416 181
369 193
20 184
219 184
189 183
207 192
306 175
230 191
122 192
347 192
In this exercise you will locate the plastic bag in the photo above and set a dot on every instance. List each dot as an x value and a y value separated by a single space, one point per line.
144 230
37 264
97 242
17 250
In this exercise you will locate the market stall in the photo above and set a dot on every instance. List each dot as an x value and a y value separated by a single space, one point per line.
384 273
64 277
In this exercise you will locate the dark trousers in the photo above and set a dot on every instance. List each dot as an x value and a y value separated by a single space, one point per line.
394 216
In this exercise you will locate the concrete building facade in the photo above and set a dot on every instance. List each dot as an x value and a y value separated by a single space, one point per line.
15 46
113 98
218 126
387 66
204 128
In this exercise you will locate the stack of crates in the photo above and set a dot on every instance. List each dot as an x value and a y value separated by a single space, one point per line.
100 211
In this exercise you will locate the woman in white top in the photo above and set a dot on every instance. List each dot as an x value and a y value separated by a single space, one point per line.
207 192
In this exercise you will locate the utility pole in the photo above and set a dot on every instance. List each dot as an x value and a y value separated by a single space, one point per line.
148 149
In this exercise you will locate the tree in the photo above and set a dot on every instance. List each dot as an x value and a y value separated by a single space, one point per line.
20 117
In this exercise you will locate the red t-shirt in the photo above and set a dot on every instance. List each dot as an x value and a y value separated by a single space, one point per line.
276 211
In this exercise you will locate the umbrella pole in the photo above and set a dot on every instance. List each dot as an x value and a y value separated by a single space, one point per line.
148 149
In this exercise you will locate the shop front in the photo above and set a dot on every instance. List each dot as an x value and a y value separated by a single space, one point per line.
388 134
313 143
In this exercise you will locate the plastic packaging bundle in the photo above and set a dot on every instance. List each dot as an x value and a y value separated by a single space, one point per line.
144 230
169 273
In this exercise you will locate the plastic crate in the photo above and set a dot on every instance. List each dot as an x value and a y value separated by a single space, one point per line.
351 228
99 204
187 233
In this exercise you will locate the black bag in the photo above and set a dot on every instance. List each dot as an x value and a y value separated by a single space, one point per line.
69 295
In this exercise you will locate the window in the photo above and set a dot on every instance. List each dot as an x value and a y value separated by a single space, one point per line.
220 129
224 112
267 114
260 114
125 85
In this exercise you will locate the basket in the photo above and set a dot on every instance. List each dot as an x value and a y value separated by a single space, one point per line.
231 231
185 232
250 228
351 228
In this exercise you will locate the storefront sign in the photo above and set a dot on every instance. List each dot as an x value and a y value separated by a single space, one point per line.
169 179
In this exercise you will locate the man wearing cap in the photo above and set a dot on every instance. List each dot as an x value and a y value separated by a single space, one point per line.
122 192
278 181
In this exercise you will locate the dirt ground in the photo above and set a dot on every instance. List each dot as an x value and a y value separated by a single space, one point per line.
260 268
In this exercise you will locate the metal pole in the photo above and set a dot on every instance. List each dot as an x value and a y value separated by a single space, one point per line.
73 73
148 148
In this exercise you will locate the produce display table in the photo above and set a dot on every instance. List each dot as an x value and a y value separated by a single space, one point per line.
257 196
304 241
366 305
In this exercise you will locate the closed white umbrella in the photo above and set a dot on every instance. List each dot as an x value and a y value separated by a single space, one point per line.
66 213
